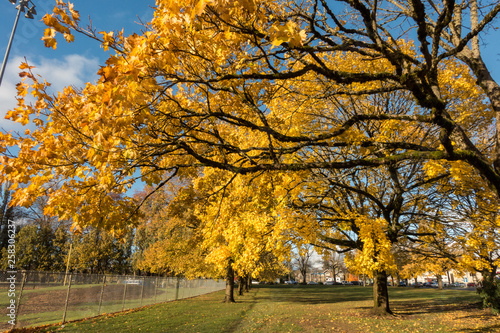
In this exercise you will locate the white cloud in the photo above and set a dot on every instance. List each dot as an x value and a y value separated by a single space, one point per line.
73 70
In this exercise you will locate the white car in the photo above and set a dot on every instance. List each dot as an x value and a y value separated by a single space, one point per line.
130 281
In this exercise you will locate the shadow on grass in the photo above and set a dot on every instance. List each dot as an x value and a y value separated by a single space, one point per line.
234 325
403 301
413 307
306 294
488 329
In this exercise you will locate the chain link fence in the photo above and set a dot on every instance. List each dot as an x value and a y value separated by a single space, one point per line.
37 298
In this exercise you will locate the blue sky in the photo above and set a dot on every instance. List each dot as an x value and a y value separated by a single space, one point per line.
71 63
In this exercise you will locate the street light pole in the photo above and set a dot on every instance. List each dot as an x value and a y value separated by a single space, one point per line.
29 14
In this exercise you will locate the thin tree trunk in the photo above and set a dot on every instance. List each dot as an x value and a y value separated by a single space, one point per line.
248 282
241 285
380 294
229 296
440 281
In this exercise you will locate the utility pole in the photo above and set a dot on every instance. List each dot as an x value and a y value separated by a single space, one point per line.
29 14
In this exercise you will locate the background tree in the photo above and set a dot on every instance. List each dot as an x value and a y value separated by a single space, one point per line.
8 212
39 247
97 252
333 262
303 261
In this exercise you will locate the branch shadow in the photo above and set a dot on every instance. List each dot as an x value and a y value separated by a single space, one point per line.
427 306
317 294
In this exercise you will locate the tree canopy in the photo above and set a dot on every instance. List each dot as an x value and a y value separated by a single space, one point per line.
254 87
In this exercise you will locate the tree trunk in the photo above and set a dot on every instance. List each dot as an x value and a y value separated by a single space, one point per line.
241 285
229 297
440 281
488 290
380 294
248 282
416 282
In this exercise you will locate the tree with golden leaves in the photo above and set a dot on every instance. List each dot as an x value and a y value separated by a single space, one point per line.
216 225
248 86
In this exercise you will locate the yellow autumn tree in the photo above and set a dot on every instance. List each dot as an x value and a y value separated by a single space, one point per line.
168 234
248 86
217 225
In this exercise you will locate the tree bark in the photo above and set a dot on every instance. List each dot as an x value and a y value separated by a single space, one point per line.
248 283
229 296
241 285
488 290
380 294
440 281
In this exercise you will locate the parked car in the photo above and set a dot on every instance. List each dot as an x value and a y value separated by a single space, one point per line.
290 282
346 283
471 284
312 282
131 281
329 283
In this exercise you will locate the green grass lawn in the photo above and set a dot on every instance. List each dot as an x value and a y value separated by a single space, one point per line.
50 308
303 309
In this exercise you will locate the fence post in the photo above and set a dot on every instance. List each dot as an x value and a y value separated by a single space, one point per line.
19 299
67 299
124 293
156 287
102 292
142 289
167 284
177 289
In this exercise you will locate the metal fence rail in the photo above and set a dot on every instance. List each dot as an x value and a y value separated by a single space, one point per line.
36 298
